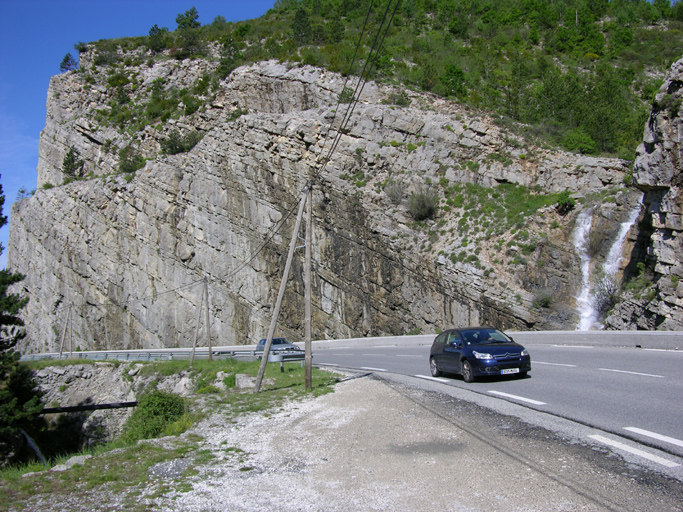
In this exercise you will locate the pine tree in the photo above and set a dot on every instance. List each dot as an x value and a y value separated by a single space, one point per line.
19 400
72 164
68 63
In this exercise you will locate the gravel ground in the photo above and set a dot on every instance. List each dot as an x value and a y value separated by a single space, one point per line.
381 445
369 446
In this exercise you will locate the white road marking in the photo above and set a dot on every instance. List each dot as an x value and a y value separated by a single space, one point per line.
556 364
408 355
515 397
654 435
378 355
632 373
327 364
635 451
573 346
427 377
372 369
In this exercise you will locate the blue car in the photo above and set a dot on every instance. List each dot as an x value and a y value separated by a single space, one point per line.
477 351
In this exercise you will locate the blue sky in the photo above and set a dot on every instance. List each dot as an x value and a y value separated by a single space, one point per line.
35 37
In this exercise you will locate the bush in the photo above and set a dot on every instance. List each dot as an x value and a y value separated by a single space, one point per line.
130 160
394 191
578 140
154 412
565 203
346 96
606 294
543 299
423 203
400 99
175 144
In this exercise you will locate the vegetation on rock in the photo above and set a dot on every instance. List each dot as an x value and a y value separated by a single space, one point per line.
19 400
581 74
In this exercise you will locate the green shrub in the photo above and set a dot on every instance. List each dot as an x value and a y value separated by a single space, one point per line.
423 203
346 96
565 203
400 99
130 160
175 144
154 412
236 114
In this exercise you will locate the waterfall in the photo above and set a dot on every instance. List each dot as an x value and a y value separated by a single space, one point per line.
613 261
585 300
586 310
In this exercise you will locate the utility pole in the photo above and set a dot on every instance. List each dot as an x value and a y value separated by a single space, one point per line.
66 323
196 332
308 359
208 326
283 284
71 335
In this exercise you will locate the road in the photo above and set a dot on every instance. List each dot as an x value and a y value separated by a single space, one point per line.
633 393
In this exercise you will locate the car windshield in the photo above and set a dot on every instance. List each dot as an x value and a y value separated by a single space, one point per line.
484 335
276 341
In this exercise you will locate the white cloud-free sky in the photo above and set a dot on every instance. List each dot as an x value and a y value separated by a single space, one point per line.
35 37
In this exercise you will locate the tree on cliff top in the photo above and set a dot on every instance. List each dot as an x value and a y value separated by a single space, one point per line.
19 400
188 20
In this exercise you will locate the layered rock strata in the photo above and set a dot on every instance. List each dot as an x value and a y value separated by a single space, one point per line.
658 172
128 257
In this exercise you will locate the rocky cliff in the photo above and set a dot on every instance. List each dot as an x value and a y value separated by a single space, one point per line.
119 259
658 172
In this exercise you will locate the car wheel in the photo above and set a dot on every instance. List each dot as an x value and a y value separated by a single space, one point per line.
432 367
467 374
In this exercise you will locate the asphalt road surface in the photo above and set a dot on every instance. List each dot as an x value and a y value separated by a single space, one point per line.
634 393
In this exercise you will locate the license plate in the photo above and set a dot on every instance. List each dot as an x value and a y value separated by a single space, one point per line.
509 370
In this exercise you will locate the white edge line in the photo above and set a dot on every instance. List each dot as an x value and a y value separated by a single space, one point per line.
556 364
515 397
372 369
573 346
426 377
327 364
635 451
654 435
631 373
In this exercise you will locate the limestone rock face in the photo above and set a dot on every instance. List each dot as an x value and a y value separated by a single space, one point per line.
117 261
658 172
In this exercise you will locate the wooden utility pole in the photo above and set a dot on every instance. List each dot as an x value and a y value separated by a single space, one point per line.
283 284
71 334
308 360
196 332
66 323
208 326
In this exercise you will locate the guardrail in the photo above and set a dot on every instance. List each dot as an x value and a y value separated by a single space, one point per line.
275 356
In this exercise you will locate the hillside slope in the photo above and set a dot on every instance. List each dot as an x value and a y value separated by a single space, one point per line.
127 252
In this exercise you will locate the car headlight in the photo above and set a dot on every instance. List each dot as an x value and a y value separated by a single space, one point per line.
480 355
525 352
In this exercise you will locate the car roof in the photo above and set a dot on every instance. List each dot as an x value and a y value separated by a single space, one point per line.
474 327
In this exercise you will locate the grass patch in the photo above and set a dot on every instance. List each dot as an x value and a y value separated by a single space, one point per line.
123 465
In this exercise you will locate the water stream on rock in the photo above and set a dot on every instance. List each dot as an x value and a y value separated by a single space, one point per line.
586 310
585 300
